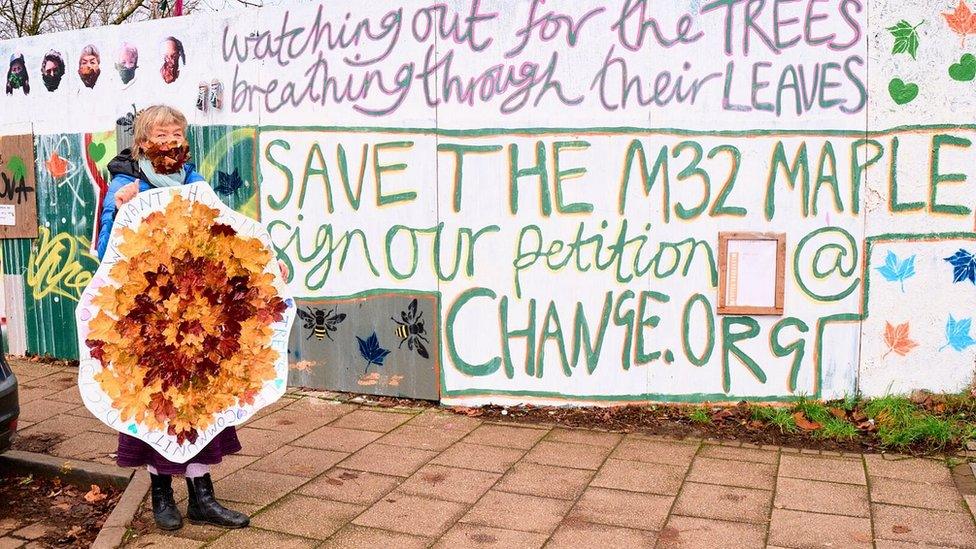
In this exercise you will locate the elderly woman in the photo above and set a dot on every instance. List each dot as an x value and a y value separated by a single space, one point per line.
89 66
159 159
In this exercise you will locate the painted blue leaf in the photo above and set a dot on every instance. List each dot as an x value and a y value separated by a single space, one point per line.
957 334
963 266
897 271
133 429
371 351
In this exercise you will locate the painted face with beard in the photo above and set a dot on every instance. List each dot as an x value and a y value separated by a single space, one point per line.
52 70
89 66
173 54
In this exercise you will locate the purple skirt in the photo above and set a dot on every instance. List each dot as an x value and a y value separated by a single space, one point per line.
136 453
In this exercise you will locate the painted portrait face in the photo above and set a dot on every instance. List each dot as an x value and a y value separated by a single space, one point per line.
173 54
17 77
89 66
128 63
52 70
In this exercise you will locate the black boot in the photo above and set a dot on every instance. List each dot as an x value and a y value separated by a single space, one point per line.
165 512
203 508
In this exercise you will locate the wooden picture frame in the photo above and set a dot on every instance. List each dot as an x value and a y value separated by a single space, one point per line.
755 298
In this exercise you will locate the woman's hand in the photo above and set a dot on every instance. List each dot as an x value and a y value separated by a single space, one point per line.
284 269
126 193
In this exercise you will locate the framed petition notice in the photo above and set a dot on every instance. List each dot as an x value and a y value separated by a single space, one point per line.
752 270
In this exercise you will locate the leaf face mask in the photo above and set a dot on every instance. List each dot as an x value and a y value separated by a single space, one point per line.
167 158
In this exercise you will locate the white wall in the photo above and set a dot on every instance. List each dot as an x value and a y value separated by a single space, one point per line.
842 63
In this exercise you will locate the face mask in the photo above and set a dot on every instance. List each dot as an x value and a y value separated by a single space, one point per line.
127 74
167 158
16 80
171 71
89 76
51 81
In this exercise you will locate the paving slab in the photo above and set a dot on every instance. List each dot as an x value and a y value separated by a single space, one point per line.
160 541
306 516
518 512
412 515
479 456
905 468
697 533
253 538
822 497
622 508
545 481
655 478
724 503
636 448
916 494
739 453
372 420
361 537
337 439
298 461
475 535
585 436
566 454
829 469
574 534
506 436
388 460
425 438
359 487
449 483
256 487
744 474
802 530
924 526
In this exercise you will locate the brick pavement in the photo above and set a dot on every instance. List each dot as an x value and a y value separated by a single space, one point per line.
322 473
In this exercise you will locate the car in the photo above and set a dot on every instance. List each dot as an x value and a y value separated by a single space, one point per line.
9 406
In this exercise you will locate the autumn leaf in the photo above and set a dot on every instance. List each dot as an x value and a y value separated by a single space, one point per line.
95 494
56 165
896 337
803 423
961 21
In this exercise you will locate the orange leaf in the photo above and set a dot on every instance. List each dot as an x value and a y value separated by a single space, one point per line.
95 494
57 165
961 21
803 423
896 337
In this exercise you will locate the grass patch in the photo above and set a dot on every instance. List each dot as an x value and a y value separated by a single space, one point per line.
700 415
837 429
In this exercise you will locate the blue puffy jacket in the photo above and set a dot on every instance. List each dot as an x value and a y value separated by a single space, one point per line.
125 170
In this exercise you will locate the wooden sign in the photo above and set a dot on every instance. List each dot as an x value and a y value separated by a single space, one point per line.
752 270
18 196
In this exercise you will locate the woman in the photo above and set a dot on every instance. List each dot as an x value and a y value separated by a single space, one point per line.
89 66
159 159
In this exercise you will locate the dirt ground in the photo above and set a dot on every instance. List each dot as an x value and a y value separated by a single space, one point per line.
71 516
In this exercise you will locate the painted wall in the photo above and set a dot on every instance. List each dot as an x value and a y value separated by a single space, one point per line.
548 180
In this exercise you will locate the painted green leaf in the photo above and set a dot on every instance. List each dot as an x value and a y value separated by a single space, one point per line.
906 38
18 170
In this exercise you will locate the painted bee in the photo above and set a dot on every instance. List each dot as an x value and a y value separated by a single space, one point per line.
411 329
320 323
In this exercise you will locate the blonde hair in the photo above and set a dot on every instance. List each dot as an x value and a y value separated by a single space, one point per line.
149 118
